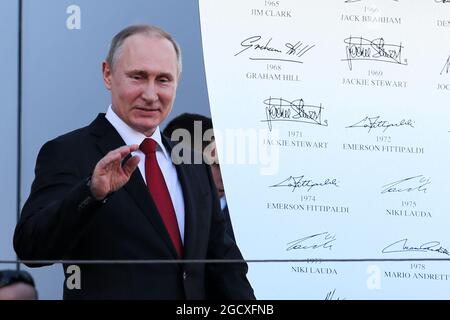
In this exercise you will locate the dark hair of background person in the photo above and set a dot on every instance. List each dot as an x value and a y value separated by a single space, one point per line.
17 285
187 121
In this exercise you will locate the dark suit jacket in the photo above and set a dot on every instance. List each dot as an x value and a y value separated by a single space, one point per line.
229 226
58 223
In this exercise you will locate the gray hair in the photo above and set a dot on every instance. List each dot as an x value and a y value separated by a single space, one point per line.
118 40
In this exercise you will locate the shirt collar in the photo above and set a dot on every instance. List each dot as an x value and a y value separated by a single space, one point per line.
131 136
223 202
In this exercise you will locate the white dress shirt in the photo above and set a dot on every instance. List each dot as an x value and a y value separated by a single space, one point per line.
223 203
131 136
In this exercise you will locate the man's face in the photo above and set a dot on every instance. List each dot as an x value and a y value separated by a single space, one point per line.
143 81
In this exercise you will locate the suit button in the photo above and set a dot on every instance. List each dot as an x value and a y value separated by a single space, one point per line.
185 275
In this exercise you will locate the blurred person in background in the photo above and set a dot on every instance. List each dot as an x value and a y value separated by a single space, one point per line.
17 285
207 147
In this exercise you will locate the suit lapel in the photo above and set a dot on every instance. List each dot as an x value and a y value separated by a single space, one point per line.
109 139
138 190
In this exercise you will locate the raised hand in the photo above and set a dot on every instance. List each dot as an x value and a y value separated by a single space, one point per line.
109 174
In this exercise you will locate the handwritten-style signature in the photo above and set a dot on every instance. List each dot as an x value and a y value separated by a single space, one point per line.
319 240
290 53
375 122
330 295
359 48
403 246
416 183
446 67
279 109
301 182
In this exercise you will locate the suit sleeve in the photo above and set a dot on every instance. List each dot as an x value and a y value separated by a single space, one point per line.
58 209
225 280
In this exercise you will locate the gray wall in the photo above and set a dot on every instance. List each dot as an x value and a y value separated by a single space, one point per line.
9 18
62 87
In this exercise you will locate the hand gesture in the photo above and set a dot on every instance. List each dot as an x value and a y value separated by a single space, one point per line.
109 174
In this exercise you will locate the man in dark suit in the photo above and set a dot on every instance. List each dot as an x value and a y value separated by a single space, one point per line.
192 122
213 159
88 201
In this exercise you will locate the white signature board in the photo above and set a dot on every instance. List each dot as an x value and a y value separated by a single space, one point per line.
342 109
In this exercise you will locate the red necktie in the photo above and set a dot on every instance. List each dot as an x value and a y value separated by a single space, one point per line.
160 194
